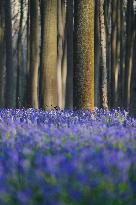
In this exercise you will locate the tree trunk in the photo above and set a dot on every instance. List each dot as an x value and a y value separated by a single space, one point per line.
48 59
69 79
34 53
97 50
129 52
84 54
103 56
2 52
19 57
10 71
113 54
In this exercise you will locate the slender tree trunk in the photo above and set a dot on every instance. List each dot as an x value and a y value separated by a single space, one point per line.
60 52
129 52
97 51
19 57
103 56
69 80
84 54
64 56
27 96
2 52
122 54
133 76
48 62
34 52
113 54
10 71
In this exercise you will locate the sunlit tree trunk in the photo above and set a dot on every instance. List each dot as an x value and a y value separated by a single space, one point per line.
84 54
48 64
103 56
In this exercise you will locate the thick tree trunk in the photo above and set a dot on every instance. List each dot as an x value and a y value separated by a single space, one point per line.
48 64
84 54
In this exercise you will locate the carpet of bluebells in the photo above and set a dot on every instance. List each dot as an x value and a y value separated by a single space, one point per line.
67 157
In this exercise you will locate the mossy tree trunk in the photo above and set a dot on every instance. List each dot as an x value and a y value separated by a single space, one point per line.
84 54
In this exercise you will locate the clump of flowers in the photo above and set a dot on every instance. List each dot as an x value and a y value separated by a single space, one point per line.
67 157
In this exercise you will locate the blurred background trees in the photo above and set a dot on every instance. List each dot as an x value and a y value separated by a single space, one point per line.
68 53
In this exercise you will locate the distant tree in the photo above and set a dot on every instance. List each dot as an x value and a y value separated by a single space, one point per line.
114 71
10 90
83 54
19 56
2 53
48 59
34 52
97 53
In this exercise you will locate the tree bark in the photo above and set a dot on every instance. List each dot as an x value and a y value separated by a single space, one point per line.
10 94
2 53
34 52
69 79
48 59
84 54
103 56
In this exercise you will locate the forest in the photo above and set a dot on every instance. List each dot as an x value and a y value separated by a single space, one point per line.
67 102
68 54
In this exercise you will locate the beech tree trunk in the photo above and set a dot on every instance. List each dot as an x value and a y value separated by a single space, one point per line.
48 64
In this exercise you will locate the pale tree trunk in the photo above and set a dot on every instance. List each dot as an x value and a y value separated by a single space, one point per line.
103 56
10 90
84 54
48 64
2 53
69 80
